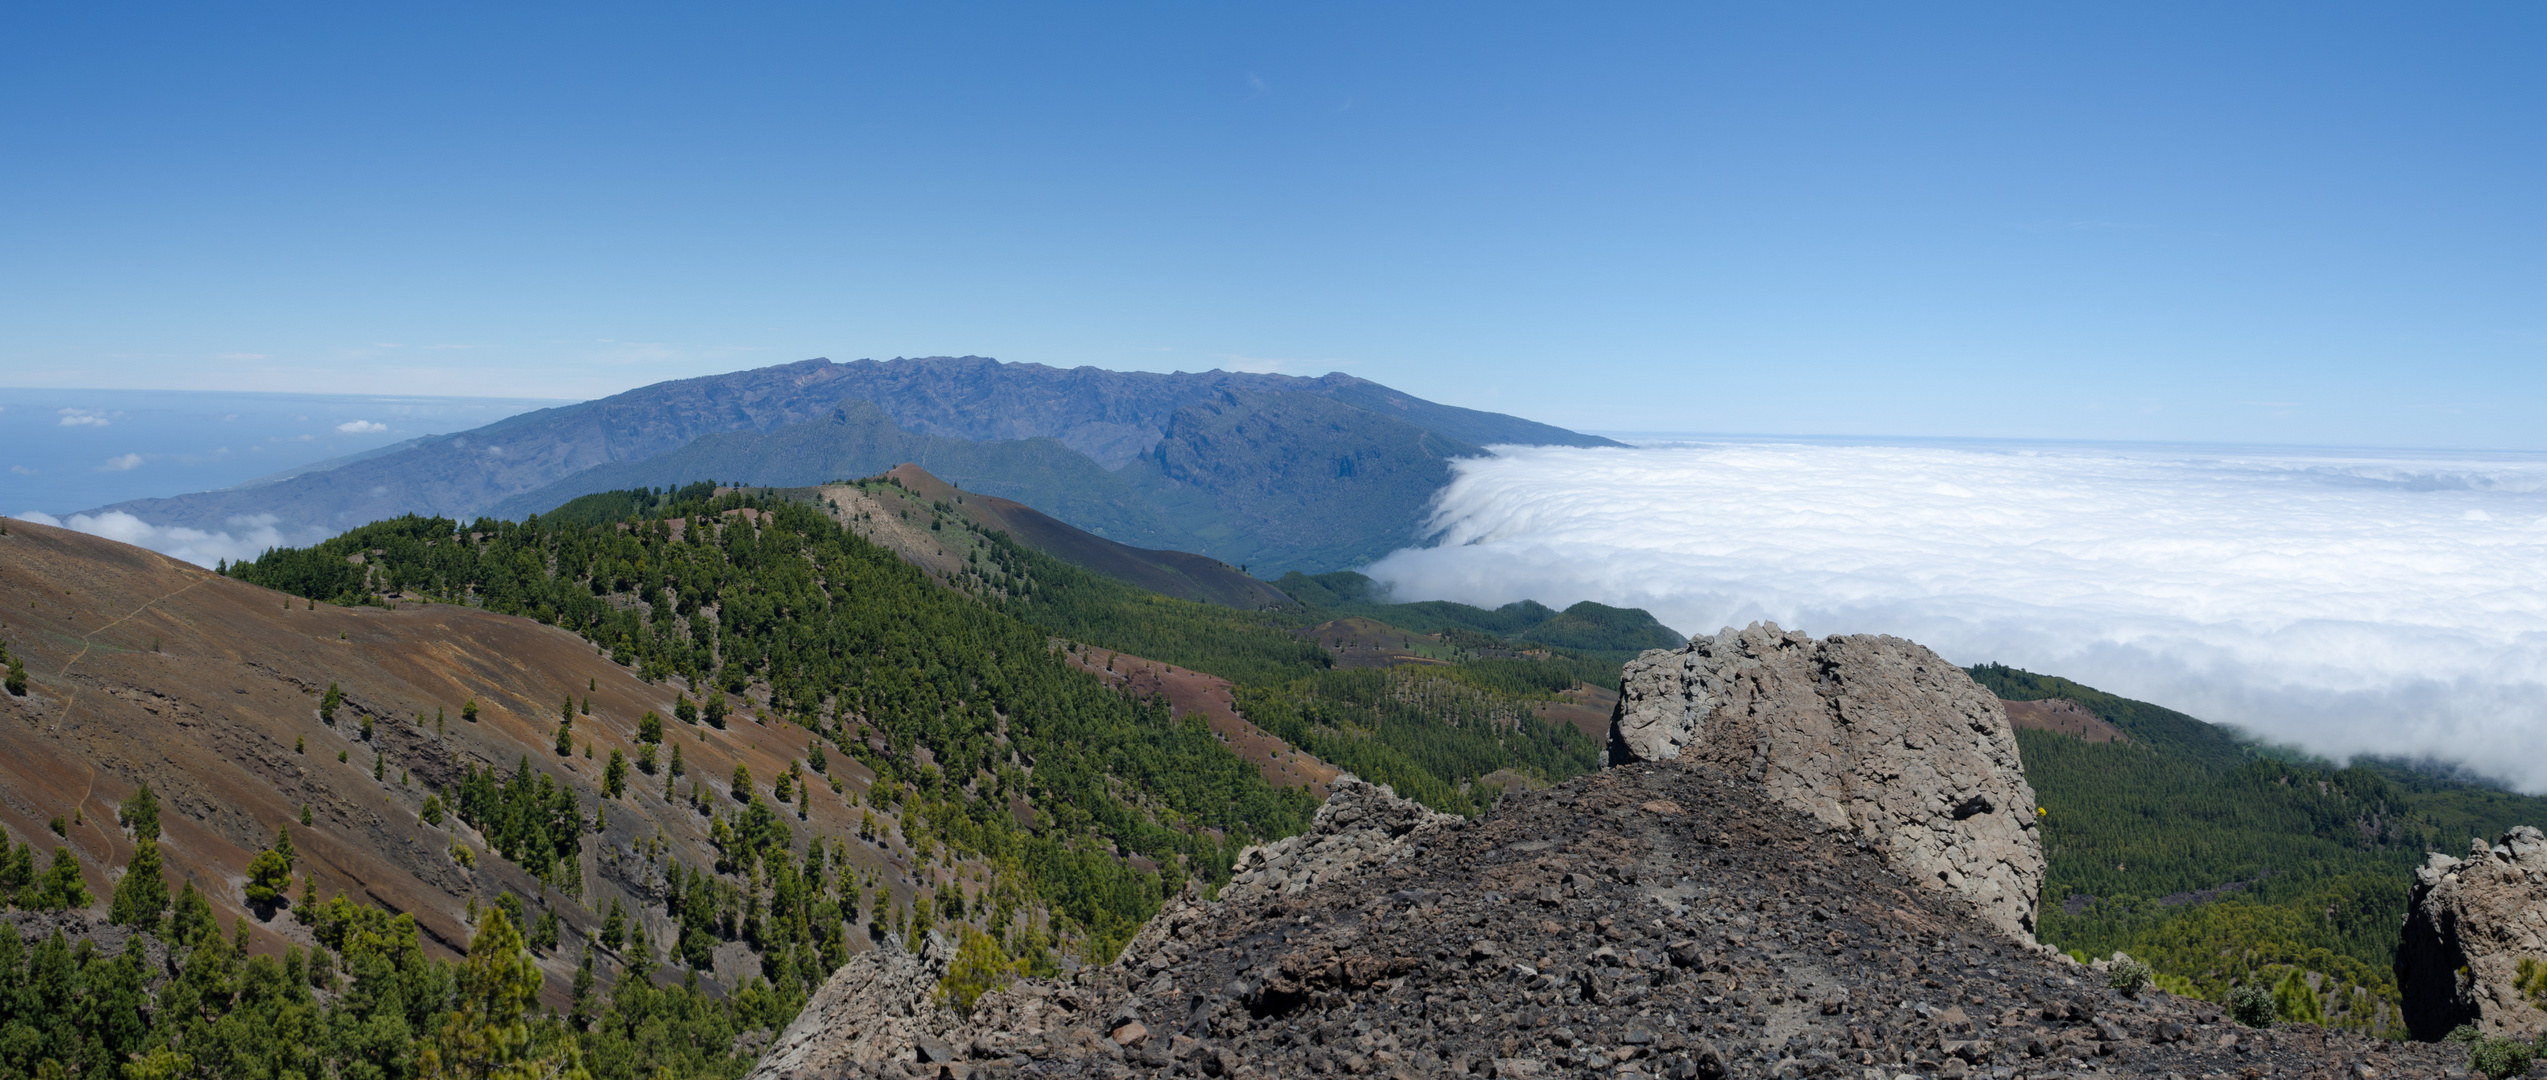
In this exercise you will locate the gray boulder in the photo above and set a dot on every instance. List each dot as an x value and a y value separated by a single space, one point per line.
2469 924
877 1010
1873 737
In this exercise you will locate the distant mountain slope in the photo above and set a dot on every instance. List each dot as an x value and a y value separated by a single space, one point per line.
1586 626
1265 481
1111 417
855 439
1172 573
897 509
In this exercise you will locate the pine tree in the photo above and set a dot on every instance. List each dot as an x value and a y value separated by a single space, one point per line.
192 919
579 1011
17 872
742 782
140 813
329 702
490 1034
62 888
614 776
565 738
270 873
141 898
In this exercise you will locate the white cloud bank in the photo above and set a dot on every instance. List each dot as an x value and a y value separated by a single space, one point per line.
248 538
2351 604
362 427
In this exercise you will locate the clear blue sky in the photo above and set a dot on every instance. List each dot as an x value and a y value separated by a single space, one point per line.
2293 223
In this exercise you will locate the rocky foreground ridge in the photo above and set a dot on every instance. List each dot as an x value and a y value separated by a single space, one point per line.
1753 890
2470 927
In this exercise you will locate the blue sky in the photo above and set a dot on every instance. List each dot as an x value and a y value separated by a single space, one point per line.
2252 223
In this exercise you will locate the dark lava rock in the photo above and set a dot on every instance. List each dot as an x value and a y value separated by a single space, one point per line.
1653 920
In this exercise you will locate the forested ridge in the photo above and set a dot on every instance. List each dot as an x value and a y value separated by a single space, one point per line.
2219 862
1427 730
1075 806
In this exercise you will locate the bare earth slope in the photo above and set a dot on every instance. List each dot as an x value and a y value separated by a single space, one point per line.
145 668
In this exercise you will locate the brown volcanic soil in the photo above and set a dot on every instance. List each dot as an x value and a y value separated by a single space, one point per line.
2064 716
1651 920
145 668
1194 693
1587 707
1357 642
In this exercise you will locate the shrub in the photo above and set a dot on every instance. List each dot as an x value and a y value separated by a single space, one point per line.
2532 982
2296 1001
2251 1005
980 966
2127 975
2499 1058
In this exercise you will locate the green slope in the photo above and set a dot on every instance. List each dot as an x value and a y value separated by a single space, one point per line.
1613 633
2218 864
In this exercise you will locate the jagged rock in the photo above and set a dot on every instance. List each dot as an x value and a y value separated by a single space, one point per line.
1362 826
1872 736
1647 921
2469 925
877 1010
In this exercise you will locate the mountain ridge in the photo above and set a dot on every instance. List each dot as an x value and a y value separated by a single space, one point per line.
1110 418
1281 480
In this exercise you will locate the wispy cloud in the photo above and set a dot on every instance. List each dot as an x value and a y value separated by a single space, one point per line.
21 470
245 356
246 538
121 463
83 417
361 427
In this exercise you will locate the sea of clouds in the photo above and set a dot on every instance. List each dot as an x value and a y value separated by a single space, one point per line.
2350 603
245 539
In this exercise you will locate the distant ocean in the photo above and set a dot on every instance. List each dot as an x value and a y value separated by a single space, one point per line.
2345 600
64 451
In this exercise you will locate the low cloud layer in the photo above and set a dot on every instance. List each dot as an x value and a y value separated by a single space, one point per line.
2349 604
247 537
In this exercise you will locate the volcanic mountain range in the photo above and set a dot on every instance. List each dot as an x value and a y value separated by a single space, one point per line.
1273 472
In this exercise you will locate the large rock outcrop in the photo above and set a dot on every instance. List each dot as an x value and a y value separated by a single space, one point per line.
877 1012
2470 924
1871 736
1362 829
